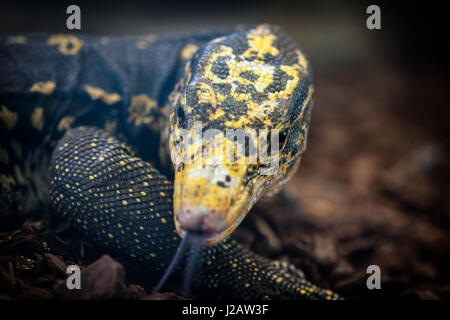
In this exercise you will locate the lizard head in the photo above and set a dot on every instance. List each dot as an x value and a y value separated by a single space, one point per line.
238 127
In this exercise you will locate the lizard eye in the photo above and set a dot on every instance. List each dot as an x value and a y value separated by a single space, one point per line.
282 137
181 117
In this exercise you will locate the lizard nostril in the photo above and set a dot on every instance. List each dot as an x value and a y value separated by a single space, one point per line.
181 116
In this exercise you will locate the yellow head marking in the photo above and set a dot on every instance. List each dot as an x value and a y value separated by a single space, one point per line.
260 43
254 80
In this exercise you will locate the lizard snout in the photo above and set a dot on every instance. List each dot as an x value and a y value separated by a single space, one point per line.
200 219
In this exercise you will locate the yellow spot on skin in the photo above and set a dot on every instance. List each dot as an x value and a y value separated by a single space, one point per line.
141 228
4 157
124 202
7 182
101 158
37 118
234 265
119 225
97 93
67 186
279 280
302 291
110 236
152 255
104 40
91 177
17 148
146 184
140 111
163 220
247 285
65 123
122 163
67 44
188 51
141 44
8 118
110 126
17 39
162 194
143 193
44 87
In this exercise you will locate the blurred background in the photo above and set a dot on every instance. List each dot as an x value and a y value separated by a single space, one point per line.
373 187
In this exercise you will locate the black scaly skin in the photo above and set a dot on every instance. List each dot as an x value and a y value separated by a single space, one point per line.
115 199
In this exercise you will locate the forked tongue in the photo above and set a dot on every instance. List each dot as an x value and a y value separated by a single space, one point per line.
176 258
196 241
